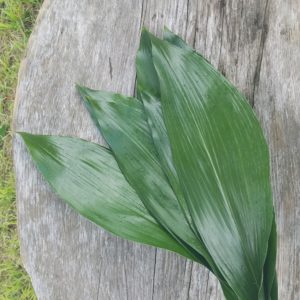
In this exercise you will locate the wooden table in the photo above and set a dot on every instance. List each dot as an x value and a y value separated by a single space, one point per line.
256 44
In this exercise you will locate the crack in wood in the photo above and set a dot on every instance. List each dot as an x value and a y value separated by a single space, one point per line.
110 68
196 26
154 272
190 280
98 288
263 39
222 13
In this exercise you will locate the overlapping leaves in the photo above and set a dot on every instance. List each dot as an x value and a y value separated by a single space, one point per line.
187 169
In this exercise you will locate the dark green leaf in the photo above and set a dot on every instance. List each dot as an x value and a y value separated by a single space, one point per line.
146 73
175 40
270 281
87 177
123 124
148 91
222 163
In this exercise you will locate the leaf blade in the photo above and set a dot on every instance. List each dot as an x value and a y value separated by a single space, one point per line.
135 153
269 273
86 176
148 91
190 93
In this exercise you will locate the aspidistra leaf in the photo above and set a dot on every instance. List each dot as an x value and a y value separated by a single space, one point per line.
146 73
269 280
123 124
148 91
269 273
87 177
222 163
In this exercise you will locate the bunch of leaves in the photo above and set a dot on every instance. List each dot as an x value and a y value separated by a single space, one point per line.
187 168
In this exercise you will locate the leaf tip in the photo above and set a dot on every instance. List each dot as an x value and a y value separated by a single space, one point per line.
28 138
146 35
24 135
144 30
82 90
167 30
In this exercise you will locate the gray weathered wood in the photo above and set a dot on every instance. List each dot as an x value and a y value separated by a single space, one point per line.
254 43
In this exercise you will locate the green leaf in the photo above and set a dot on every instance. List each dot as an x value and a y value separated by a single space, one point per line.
222 163
87 177
148 90
175 40
150 95
269 280
123 124
274 291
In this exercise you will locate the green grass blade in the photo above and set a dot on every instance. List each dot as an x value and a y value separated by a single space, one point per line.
87 177
222 162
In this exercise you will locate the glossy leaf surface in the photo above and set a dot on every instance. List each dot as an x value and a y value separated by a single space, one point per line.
269 288
123 124
148 90
87 177
146 73
222 163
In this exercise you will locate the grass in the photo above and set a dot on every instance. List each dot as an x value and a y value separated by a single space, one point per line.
16 21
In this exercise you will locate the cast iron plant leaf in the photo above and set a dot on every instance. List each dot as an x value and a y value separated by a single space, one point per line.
150 94
87 177
187 169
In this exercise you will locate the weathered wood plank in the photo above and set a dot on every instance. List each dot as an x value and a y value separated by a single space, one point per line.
254 43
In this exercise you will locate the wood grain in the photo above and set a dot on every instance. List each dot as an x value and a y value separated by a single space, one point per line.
254 43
